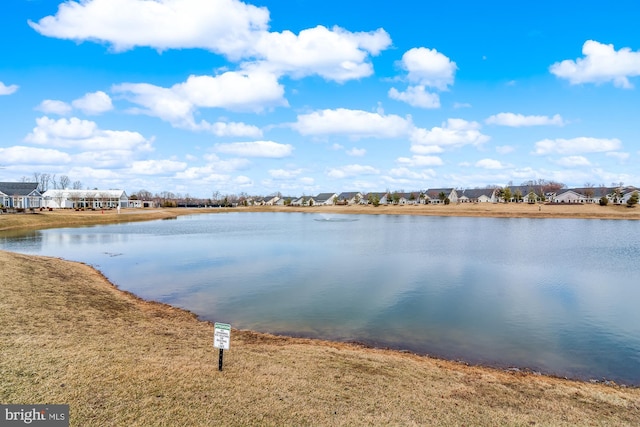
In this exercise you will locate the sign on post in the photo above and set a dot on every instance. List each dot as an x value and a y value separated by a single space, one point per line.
221 336
221 339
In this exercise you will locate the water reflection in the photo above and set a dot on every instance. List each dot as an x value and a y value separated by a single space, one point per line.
551 295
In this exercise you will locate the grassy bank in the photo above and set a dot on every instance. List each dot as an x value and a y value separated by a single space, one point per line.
68 336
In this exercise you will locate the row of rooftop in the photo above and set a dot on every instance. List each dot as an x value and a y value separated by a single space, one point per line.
27 195
525 194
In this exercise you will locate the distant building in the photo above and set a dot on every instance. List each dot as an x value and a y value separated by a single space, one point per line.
20 195
85 199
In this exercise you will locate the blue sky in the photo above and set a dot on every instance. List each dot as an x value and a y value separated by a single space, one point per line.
302 97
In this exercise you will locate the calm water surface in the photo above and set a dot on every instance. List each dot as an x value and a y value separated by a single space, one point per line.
553 295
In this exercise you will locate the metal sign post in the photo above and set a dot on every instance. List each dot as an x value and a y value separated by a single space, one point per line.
221 339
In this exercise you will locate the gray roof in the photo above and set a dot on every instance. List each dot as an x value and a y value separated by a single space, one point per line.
19 188
323 197
476 193
435 192
348 195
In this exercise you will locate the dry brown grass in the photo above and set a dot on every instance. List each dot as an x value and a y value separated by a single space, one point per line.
499 210
72 218
69 336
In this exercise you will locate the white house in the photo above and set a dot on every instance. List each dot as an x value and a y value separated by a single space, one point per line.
478 195
91 199
324 199
570 196
271 200
434 195
352 198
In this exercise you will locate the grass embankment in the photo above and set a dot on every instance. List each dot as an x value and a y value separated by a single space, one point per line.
70 218
496 210
68 336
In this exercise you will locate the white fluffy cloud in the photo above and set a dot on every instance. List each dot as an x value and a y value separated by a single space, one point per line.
216 170
354 123
420 161
157 167
268 149
93 103
573 161
231 28
235 91
334 54
351 171
453 133
519 120
428 67
416 96
505 149
20 155
618 155
52 106
230 129
489 164
411 174
8 90
228 27
356 152
576 145
285 173
84 135
601 63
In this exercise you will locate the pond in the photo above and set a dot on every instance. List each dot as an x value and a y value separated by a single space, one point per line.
558 296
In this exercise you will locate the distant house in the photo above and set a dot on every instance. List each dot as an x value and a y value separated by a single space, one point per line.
434 195
20 195
383 198
271 200
135 203
324 199
303 201
411 198
570 196
478 195
352 198
590 194
89 199
285 200
521 193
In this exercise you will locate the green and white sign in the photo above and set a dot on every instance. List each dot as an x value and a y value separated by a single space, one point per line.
221 335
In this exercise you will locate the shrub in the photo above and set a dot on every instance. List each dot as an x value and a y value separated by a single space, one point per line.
604 201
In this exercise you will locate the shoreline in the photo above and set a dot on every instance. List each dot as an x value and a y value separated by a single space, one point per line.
69 218
259 349
513 210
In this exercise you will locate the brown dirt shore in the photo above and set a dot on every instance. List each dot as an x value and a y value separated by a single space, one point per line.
69 336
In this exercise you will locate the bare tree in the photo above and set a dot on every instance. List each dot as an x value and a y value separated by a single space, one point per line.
589 190
144 195
64 182
77 185
43 180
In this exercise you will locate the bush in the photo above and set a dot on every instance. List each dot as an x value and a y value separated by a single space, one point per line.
604 201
